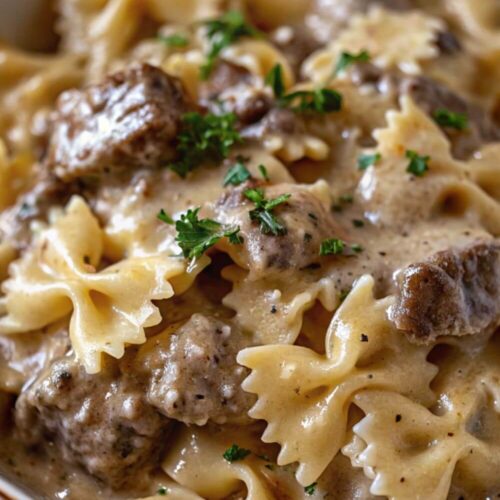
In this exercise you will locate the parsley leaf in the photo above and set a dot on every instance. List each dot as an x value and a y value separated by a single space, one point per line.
164 217
321 100
204 137
311 488
332 246
447 118
275 80
162 491
234 453
221 33
418 164
175 40
346 59
195 235
263 172
262 212
237 174
365 161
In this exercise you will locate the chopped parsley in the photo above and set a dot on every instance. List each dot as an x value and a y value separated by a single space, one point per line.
263 211
237 174
365 161
204 137
331 246
221 33
311 488
418 164
195 235
346 59
356 247
164 217
235 453
449 119
162 491
175 40
263 172
358 222
317 101
275 80
343 294
321 100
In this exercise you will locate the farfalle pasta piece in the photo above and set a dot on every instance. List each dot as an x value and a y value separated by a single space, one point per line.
272 311
478 20
305 396
393 39
405 447
185 12
208 473
109 308
14 175
447 187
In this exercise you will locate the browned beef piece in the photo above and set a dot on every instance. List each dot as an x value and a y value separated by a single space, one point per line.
98 421
47 192
431 96
455 292
195 377
128 120
232 86
296 43
306 219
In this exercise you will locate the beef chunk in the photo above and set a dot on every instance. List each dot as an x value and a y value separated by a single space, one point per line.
233 86
307 219
431 96
224 76
455 292
128 120
48 191
195 377
98 421
296 43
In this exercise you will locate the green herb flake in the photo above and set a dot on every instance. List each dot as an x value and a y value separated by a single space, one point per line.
356 247
262 212
343 294
346 198
358 223
237 174
235 453
332 246
418 164
195 235
221 33
204 137
164 217
175 40
346 59
162 491
365 161
275 80
449 119
263 172
321 100
311 488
